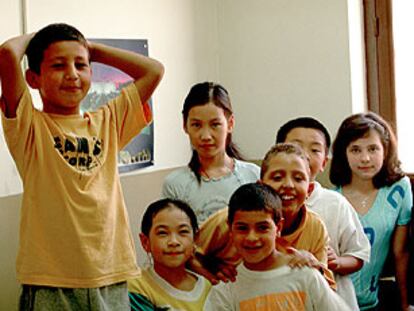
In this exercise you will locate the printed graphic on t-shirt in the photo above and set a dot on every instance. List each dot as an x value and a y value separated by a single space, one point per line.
80 152
288 301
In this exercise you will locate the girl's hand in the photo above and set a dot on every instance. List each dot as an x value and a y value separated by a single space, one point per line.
301 258
333 259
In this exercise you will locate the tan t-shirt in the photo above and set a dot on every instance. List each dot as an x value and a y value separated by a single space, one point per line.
74 228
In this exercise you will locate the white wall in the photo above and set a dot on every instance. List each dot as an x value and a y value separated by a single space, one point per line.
279 59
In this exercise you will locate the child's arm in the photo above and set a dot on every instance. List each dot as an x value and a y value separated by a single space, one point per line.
216 257
401 254
343 265
12 79
146 72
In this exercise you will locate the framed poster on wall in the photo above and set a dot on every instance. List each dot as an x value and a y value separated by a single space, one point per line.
107 83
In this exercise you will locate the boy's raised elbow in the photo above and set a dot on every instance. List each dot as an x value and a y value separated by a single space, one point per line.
7 56
158 70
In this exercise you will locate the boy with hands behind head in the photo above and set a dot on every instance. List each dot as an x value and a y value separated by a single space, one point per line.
75 239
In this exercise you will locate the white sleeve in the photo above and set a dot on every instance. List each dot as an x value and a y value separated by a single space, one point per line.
321 296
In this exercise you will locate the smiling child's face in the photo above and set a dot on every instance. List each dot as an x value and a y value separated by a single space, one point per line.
254 235
366 156
171 238
65 77
288 174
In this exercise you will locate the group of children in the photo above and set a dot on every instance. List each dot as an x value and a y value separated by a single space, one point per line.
270 238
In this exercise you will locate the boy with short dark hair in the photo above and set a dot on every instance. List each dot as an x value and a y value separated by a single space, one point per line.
349 247
75 240
264 279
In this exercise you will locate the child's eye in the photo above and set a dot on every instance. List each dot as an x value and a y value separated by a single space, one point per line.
184 231
81 65
161 233
216 124
195 125
57 65
354 150
277 178
240 228
299 178
373 149
316 151
263 228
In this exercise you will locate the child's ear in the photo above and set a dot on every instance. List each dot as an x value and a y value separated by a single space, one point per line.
279 226
32 79
145 242
230 123
310 188
230 233
185 127
325 161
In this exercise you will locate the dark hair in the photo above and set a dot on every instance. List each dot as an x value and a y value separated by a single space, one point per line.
154 208
305 122
288 148
45 37
255 197
202 94
353 128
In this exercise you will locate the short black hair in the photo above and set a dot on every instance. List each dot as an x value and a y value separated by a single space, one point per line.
154 208
305 122
45 37
255 197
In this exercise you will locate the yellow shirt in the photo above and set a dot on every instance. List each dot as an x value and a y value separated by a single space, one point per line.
153 289
74 228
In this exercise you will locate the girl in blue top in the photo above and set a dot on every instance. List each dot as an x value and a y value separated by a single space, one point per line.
366 169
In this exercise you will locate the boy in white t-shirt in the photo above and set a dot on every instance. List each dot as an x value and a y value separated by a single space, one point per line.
349 247
264 279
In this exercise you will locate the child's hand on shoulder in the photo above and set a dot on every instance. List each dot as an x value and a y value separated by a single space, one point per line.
302 258
214 272
226 272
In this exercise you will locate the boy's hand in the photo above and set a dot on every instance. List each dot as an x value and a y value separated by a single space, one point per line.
215 271
301 258
333 259
226 272
145 71
195 265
